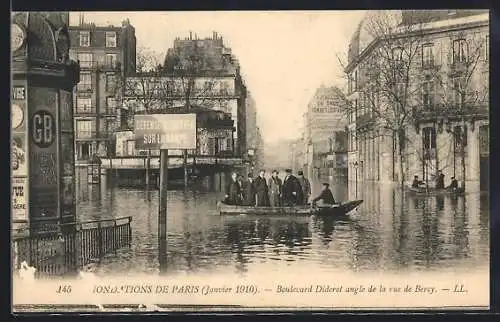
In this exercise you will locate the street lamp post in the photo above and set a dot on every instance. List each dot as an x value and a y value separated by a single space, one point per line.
356 179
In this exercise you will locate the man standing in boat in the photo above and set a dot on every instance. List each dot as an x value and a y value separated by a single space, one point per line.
306 187
233 191
292 194
325 195
275 186
261 190
454 184
440 180
248 190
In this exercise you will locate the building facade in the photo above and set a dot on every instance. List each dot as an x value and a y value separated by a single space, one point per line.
204 72
324 117
105 54
438 119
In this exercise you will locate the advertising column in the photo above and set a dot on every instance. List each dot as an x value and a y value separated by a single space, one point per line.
19 164
43 170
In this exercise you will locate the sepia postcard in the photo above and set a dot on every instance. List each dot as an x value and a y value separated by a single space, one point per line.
250 160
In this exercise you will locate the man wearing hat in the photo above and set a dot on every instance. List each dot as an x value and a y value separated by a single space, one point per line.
325 195
275 185
292 194
306 187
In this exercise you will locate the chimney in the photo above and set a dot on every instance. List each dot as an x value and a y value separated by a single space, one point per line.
190 35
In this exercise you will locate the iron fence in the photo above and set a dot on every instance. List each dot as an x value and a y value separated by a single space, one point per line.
72 246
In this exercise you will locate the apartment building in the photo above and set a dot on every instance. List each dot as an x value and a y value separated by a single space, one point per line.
106 54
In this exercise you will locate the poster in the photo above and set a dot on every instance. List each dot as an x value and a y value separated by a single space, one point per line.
19 194
18 154
67 154
66 111
67 190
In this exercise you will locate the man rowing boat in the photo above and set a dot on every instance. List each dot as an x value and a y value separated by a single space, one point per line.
325 195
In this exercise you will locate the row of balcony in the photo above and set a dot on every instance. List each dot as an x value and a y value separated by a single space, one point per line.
92 111
455 69
110 66
432 111
93 135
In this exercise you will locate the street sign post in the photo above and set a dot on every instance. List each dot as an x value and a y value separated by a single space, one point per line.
164 132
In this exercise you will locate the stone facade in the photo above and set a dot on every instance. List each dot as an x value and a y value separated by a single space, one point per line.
325 116
450 97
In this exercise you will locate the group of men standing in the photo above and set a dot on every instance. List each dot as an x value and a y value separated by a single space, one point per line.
260 192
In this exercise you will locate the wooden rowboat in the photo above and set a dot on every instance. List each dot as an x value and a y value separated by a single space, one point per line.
320 210
434 192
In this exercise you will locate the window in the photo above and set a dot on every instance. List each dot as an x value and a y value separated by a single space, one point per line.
110 39
460 137
111 60
429 142
83 105
85 83
110 104
84 38
399 92
460 51
355 80
427 55
83 129
85 60
428 94
110 82
397 54
458 92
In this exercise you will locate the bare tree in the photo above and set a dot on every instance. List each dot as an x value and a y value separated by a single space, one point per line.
387 79
463 90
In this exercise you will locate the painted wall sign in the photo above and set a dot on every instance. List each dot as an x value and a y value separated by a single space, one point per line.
165 131
19 201
43 128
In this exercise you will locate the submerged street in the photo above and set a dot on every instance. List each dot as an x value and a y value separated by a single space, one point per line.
384 234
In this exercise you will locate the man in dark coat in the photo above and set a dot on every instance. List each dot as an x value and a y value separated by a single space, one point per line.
306 187
325 195
248 190
292 191
261 190
275 185
440 180
233 191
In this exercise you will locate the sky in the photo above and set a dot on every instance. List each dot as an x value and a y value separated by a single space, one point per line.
284 56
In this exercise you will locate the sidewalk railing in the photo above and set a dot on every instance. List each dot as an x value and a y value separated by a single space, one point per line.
72 246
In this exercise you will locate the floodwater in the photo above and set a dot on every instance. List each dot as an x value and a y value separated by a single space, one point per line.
388 232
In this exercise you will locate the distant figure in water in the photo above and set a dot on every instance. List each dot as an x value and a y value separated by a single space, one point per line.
325 195
233 191
454 184
416 183
440 180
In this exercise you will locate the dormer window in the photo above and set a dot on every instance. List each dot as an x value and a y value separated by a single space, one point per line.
84 38
397 54
110 39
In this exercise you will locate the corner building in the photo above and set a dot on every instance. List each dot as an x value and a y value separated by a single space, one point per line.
435 137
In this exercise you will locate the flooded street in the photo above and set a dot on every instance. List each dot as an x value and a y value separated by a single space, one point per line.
388 232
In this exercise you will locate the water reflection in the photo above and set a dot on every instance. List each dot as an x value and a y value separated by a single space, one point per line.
389 231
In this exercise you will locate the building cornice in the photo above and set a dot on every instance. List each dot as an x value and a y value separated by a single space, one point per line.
429 29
